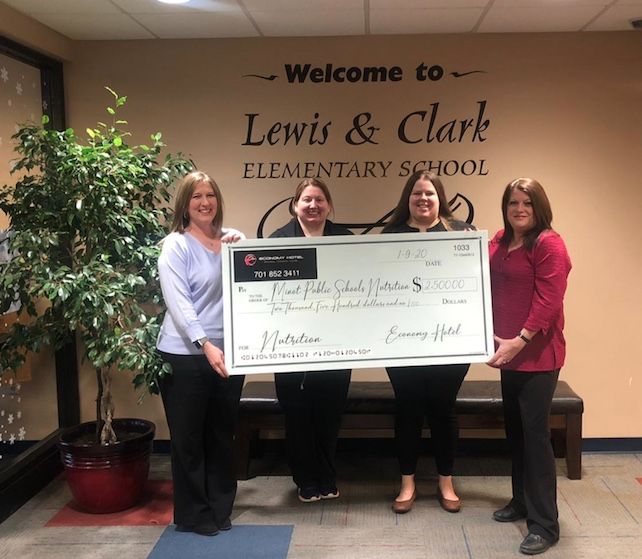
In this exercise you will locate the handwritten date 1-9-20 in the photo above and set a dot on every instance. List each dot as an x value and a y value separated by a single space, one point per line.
418 254
424 254
412 254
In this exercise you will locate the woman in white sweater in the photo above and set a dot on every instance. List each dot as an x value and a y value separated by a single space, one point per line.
200 398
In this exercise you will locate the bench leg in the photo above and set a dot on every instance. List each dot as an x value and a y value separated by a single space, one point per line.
558 439
574 446
242 439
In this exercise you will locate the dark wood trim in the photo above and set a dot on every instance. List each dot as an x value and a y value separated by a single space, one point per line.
22 53
53 95
34 469
67 386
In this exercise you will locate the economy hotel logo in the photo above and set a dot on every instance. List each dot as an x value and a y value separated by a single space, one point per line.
250 260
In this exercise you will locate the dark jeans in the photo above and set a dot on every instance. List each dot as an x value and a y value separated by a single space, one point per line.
312 404
527 407
429 392
201 409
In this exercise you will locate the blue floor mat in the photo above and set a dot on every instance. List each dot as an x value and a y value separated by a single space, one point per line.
241 542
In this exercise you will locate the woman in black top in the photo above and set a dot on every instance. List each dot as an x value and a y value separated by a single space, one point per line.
425 390
312 401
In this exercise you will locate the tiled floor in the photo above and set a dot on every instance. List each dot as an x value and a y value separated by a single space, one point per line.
601 515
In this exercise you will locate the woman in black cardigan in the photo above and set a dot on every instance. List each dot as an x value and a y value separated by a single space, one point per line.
425 391
312 401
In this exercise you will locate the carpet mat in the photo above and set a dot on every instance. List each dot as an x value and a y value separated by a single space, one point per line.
156 508
241 542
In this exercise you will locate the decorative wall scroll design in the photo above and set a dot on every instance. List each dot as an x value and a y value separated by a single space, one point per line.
460 206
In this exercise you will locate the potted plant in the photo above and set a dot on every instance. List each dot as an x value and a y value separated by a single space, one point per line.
86 218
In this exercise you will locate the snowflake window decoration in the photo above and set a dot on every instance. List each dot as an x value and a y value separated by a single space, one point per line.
10 412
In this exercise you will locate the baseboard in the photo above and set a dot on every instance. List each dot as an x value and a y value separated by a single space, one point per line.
473 445
161 446
632 444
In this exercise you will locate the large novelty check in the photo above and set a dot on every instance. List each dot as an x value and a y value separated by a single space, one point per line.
306 304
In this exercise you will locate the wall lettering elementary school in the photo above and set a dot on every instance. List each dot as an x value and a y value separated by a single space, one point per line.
428 125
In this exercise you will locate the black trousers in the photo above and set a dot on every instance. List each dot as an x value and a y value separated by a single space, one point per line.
201 409
429 392
527 407
312 403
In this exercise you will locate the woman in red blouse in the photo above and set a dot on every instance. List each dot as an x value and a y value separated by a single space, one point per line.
529 266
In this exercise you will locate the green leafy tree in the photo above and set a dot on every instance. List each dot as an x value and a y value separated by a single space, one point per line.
86 219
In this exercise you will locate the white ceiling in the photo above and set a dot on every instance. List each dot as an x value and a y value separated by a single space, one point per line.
149 19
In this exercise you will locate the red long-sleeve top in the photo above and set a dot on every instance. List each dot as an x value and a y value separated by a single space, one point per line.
528 292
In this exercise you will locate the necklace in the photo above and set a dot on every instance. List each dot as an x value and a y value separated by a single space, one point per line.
210 243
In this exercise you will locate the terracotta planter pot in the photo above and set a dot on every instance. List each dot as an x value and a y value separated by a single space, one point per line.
108 478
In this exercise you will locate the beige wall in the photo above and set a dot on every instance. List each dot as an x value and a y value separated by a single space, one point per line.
30 33
563 108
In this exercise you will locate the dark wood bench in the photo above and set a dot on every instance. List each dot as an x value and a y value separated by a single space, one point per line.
370 406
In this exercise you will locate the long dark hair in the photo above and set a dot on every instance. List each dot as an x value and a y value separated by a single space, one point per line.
401 215
184 192
541 210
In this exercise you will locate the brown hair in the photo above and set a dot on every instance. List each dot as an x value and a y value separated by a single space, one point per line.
401 213
541 210
302 186
184 192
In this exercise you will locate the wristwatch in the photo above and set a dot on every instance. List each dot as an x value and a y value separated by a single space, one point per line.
201 342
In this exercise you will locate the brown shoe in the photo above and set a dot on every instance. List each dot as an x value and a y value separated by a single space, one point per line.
402 507
447 504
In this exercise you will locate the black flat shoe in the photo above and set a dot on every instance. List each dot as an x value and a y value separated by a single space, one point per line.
308 494
225 525
329 492
534 544
184 528
206 529
508 514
